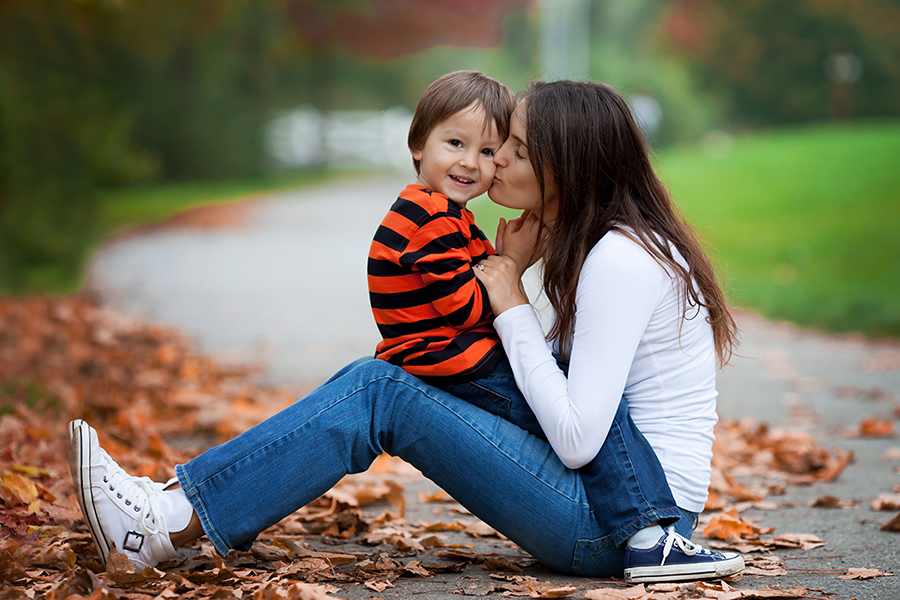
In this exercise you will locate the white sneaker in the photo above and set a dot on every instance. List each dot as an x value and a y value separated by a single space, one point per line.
119 509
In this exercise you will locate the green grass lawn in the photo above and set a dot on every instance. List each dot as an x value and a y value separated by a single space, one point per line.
803 222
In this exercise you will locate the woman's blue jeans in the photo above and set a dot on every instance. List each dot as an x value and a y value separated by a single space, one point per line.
504 475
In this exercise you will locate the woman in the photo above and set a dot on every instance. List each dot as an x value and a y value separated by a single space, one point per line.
587 175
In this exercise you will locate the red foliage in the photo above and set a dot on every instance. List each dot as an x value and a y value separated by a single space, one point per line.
391 28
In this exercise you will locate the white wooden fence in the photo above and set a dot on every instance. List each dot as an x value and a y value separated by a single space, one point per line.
307 136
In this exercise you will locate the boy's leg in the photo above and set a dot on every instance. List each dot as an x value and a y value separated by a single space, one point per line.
497 393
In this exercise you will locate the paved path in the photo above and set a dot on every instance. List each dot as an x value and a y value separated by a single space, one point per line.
286 288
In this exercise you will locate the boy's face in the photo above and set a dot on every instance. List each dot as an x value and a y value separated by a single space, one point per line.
457 159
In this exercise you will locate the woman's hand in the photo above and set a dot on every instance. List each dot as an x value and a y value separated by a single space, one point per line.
500 276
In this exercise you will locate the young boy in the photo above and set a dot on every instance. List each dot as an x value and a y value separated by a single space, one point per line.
433 314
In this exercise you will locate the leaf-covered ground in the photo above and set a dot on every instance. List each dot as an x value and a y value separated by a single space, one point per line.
156 403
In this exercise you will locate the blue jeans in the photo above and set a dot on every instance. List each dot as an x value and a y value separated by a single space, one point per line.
498 393
504 475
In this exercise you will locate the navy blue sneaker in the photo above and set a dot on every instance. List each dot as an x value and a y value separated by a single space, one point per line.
676 558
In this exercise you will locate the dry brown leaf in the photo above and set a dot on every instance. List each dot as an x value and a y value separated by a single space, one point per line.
828 501
637 592
886 502
766 566
863 573
892 525
804 541
480 529
549 590
378 585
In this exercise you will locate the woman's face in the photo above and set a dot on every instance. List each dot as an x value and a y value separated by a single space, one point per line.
515 183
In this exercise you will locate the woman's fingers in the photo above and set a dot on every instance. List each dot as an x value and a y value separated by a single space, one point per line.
500 277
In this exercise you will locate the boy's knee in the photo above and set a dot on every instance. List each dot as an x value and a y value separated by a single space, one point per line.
372 369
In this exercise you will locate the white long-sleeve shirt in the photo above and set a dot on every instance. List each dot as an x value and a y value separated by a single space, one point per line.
626 343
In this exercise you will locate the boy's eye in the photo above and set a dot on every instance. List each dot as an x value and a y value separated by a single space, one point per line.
455 143
488 152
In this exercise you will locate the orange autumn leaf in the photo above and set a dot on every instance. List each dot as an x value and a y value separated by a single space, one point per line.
438 496
873 427
21 487
728 525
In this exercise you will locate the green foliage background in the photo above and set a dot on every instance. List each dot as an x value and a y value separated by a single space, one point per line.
114 112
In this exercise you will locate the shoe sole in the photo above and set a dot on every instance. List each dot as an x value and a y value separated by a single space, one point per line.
715 570
80 467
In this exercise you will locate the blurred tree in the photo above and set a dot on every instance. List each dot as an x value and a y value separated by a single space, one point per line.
772 59
62 133
627 54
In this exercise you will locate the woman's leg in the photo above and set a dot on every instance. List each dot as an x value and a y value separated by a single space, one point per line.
625 483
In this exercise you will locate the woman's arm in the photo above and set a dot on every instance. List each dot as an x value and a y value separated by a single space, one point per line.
618 290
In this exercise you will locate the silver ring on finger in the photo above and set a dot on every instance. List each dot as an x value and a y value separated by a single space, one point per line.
480 267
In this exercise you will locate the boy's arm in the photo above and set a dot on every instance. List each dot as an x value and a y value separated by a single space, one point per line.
439 251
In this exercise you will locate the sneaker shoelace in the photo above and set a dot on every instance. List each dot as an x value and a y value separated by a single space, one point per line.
138 494
673 538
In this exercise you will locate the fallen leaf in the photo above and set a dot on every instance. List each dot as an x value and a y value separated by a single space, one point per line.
728 524
857 573
828 501
874 427
438 496
637 592
549 590
804 541
378 585
892 525
766 566
886 502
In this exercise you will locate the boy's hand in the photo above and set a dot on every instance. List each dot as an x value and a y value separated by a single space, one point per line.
518 240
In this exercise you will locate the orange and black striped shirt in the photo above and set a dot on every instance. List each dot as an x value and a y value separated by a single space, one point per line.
433 314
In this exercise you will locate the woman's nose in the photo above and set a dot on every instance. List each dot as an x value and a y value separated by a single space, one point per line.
500 158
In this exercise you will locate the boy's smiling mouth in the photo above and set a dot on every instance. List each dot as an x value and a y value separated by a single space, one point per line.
464 180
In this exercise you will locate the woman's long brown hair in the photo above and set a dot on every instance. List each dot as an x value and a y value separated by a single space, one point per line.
581 136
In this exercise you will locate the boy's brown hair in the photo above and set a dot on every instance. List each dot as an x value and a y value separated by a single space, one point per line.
452 93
